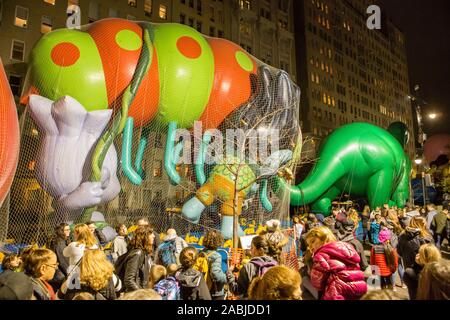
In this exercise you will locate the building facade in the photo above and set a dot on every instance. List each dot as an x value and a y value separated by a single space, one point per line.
349 73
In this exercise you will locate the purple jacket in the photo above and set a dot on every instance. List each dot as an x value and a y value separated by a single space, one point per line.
336 272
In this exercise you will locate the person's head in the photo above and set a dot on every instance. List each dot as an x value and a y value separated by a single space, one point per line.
382 294
41 264
122 230
420 223
259 246
188 257
366 210
213 239
378 218
83 296
445 208
431 207
83 235
273 225
295 219
11 262
319 236
278 283
16 286
91 225
401 212
142 221
141 294
312 217
428 253
171 232
434 281
172 269
157 272
143 239
335 211
63 231
95 269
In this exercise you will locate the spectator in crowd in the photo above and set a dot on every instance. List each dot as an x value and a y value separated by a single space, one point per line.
365 218
346 234
157 273
312 221
15 286
97 233
83 296
375 228
119 244
169 250
11 263
141 294
96 276
180 243
212 241
192 282
409 242
41 265
431 209
427 253
335 271
298 230
57 243
354 217
135 266
257 266
438 225
84 240
143 221
168 287
278 283
434 281
275 238
384 256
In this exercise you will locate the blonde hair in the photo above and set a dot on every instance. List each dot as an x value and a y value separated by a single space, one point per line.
278 283
95 269
34 261
421 224
366 210
429 253
353 215
157 272
324 234
84 235
172 269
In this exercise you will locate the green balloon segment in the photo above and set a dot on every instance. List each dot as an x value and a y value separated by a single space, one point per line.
186 83
84 80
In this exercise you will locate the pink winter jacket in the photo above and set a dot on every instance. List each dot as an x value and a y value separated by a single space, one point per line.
336 272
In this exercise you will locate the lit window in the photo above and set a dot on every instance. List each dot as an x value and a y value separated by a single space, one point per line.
21 17
148 8
333 102
245 4
317 79
18 50
324 98
329 100
52 2
322 66
163 12
46 24
132 3
312 77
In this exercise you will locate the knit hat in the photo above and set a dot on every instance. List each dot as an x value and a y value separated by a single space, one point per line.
384 235
15 286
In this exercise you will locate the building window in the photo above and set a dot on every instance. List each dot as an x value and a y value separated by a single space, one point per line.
18 50
211 10
148 8
199 26
113 13
157 172
199 7
1 9
132 3
93 11
163 12
131 17
46 24
21 17
245 4
212 31
15 82
191 3
191 22
220 33
182 19
52 2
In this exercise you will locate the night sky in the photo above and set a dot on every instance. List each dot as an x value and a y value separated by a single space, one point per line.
426 24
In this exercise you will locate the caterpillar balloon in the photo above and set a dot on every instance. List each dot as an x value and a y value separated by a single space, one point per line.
144 75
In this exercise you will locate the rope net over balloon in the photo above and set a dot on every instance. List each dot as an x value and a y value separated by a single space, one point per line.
127 119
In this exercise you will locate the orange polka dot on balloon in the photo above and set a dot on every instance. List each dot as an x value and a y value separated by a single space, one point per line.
189 47
65 54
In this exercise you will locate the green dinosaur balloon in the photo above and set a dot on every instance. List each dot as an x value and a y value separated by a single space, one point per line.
359 159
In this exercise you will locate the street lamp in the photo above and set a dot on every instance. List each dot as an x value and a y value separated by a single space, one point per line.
432 115
418 161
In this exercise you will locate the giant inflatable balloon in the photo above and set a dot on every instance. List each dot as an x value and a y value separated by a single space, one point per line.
146 77
9 136
435 146
360 159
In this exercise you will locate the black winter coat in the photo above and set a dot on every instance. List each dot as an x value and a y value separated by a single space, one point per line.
193 285
137 270
409 243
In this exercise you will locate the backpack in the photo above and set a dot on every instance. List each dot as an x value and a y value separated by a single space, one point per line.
202 265
263 266
168 289
166 253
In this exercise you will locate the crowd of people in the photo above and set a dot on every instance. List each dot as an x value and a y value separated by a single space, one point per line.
340 256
